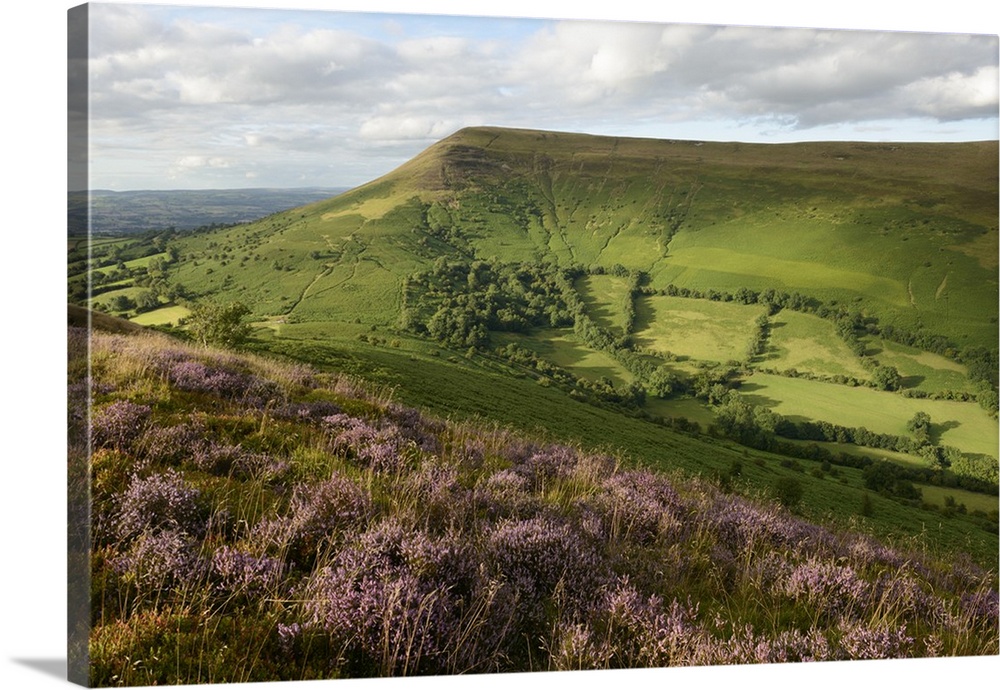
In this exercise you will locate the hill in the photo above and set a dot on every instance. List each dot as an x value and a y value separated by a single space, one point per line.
830 307
254 520
819 218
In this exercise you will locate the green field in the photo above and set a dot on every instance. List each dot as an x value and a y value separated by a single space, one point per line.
965 426
810 344
564 349
923 371
695 329
604 295
163 316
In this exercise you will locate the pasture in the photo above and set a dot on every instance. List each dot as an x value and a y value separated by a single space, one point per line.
561 347
603 296
922 371
693 328
168 315
810 344
965 426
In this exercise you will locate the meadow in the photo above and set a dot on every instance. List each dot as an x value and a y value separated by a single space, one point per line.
963 425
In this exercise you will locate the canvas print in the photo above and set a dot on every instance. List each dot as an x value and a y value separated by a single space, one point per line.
431 345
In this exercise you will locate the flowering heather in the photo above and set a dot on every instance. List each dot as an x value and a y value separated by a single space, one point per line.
548 463
399 600
827 588
865 641
317 514
119 424
381 447
542 557
305 411
332 533
506 494
171 445
157 503
238 573
191 375
161 560
638 506
440 499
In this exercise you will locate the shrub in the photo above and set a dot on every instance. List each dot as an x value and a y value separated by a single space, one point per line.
157 503
788 491
119 424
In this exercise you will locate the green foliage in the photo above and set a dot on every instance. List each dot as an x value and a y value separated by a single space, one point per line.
920 426
220 324
886 378
788 491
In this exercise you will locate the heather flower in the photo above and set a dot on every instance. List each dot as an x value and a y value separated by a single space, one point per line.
287 637
399 600
318 514
314 411
190 375
898 592
577 647
383 448
646 632
119 424
827 588
637 506
171 445
541 558
157 503
505 494
548 463
239 573
861 641
161 560
440 500
980 608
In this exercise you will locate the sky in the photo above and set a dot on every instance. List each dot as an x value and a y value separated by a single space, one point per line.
186 97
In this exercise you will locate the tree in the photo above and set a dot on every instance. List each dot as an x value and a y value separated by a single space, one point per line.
920 427
886 378
220 325
788 491
146 300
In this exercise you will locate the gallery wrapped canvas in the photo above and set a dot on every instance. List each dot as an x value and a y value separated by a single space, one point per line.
426 345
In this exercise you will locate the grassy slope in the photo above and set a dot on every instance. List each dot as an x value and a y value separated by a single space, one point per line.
814 217
285 548
457 390
807 217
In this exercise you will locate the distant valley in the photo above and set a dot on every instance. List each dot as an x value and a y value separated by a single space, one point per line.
135 212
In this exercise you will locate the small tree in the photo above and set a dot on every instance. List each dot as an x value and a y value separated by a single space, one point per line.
220 325
920 427
887 378
788 491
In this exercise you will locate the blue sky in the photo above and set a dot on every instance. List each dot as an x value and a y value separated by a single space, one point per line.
194 97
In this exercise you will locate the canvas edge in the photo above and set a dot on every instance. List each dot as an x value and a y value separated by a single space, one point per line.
78 607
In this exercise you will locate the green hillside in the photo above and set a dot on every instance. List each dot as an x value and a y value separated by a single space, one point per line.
638 293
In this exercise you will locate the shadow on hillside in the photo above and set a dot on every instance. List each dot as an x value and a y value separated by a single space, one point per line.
749 392
939 428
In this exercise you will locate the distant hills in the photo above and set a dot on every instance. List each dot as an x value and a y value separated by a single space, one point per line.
132 212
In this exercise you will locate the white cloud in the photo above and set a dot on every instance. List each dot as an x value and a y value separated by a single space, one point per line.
333 100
